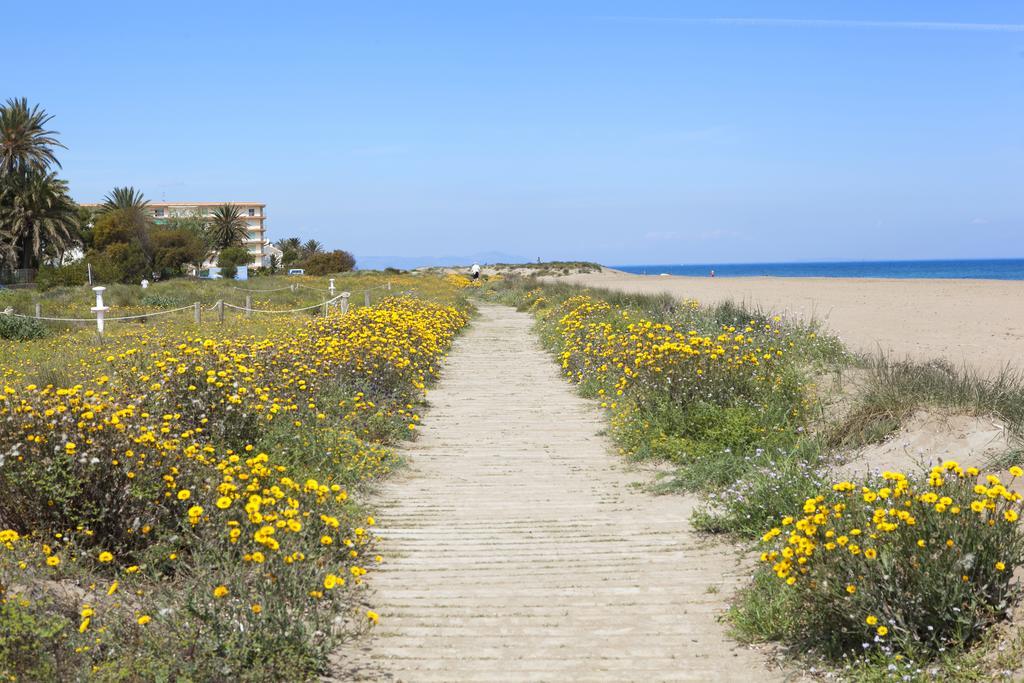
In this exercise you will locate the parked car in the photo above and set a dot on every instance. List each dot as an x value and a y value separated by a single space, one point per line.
296 271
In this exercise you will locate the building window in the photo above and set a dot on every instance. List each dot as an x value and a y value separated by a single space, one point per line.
252 212
158 213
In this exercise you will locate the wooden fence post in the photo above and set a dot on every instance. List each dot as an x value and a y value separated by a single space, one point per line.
344 302
366 298
248 304
220 311
39 310
197 312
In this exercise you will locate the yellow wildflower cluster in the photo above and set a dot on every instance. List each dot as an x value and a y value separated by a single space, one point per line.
153 462
925 559
614 347
461 281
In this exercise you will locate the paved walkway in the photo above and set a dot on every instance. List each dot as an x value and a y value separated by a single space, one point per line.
517 549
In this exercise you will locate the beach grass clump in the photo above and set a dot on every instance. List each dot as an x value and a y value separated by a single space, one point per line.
901 568
181 506
894 390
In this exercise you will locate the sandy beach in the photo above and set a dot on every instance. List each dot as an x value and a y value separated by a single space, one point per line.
978 322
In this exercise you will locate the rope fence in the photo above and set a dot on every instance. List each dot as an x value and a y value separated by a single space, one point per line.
339 302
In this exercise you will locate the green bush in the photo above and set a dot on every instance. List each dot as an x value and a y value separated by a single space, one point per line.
29 641
337 261
901 565
20 329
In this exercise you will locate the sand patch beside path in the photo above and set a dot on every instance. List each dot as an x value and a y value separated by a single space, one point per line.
978 322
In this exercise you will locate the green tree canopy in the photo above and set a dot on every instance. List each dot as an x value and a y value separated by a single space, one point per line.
25 143
226 227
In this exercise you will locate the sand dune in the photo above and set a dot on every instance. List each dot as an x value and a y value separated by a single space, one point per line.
977 322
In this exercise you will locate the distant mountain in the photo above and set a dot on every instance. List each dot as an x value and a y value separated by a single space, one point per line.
410 262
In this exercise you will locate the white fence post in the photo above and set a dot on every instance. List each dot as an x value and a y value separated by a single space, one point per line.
331 288
366 298
389 285
197 311
39 310
344 302
248 304
99 309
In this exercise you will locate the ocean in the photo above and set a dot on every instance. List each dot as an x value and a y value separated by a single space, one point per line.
980 269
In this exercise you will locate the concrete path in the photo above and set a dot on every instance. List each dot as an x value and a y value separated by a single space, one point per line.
517 550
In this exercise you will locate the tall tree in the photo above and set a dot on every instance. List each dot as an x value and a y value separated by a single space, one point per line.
38 216
133 206
312 247
124 199
25 143
227 227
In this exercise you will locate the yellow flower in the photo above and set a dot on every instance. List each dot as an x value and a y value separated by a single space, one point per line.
184 494
144 619
1000 566
851 589
326 540
105 557
1011 516
871 553
871 620
220 591
882 630
1017 471
223 502
53 560
372 616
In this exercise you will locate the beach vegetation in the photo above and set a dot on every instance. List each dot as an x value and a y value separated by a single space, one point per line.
183 502
893 390
878 578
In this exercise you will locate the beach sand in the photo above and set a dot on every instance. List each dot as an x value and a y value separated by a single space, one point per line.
977 322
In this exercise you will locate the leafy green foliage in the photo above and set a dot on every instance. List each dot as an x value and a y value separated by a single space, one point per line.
20 329
337 261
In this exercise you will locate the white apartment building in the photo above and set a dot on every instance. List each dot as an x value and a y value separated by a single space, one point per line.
255 215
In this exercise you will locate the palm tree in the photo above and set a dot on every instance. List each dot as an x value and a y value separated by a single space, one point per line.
227 227
38 217
25 144
126 199
312 247
289 244
133 206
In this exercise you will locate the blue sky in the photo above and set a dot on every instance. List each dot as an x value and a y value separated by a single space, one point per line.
624 132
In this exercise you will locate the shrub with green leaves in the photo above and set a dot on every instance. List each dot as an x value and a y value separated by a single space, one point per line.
20 329
902 565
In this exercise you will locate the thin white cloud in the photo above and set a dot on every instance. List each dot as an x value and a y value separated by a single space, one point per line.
979 221
831 23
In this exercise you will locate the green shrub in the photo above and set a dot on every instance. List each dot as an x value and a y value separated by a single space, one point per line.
20 329
901 565
29 643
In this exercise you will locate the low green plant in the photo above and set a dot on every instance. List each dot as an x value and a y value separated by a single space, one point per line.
17 328
901 565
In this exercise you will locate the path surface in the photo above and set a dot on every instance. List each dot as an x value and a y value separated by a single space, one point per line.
517 549
977 322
